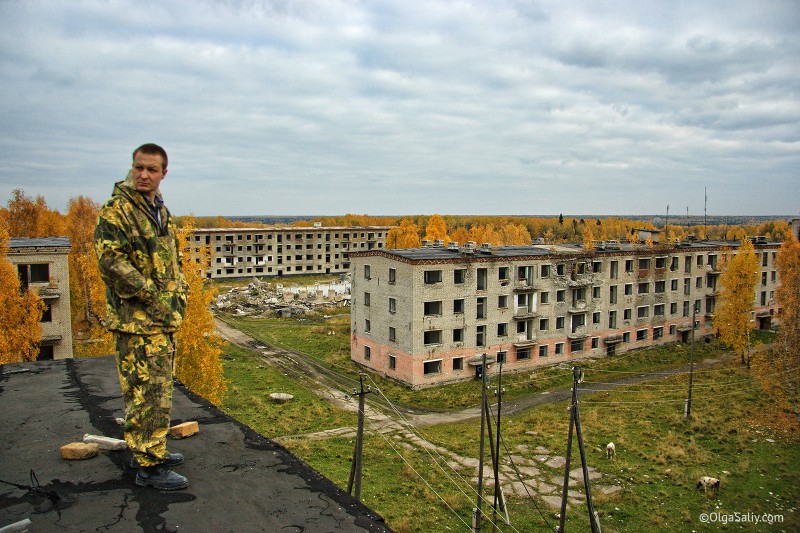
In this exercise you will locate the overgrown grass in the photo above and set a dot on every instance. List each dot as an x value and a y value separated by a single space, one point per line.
736 433
251 381
660 457
328 341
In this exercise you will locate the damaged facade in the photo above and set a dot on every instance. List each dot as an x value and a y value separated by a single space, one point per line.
43 266
246 252
424 316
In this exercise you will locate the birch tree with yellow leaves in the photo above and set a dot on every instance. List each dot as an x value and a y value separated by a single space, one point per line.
406 235
86 287
735 301
197 362
20 313
436 230
779 368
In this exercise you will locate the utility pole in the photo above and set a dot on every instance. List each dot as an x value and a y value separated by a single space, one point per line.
476 517
575 421
498 494
355 467
688 412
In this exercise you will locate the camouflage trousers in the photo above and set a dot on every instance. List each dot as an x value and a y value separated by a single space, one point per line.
145 366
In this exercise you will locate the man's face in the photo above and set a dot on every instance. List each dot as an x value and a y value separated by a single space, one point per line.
148 173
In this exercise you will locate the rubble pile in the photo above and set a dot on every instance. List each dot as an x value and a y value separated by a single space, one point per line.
262 299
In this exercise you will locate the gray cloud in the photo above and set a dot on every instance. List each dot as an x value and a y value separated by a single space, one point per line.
407 107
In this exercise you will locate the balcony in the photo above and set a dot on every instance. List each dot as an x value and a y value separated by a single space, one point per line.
524 342
523 285
523 313
578 333
49 293
580 280
579 306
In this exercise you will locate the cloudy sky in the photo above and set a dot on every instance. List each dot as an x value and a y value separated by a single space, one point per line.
393 107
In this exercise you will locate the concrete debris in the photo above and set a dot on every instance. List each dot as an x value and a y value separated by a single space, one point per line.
106 443
281 397
79 450
262 298
187 429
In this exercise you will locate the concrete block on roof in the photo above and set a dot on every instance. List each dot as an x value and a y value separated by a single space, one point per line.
79 450
187 429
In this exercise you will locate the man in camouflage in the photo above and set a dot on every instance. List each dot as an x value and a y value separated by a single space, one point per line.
140 261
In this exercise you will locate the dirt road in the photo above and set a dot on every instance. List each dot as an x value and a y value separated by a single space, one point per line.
330 384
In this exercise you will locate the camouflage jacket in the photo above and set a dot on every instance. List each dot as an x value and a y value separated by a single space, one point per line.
140 264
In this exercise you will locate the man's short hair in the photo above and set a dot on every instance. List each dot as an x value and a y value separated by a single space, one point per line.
153 149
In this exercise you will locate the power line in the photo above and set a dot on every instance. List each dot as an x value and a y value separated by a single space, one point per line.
437 462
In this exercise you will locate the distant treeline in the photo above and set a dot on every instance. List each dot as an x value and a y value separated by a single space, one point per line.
409 230
678 220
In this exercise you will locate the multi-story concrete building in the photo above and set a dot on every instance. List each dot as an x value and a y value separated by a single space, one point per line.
242 252
425 316
43 266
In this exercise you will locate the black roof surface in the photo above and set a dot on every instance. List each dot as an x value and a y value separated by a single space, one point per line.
36 242
437 253
239 479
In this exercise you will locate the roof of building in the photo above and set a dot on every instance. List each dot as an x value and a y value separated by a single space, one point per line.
39 242
297 229
442 253
239 479
439 252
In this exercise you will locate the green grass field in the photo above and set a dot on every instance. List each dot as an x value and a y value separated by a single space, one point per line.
736 434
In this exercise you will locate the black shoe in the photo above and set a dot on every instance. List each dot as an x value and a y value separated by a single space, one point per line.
173 459
161 478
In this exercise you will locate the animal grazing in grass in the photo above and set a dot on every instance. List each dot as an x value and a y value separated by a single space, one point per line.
708 484
611 450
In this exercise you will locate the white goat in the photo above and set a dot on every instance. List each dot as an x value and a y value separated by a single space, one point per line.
611 451
709 484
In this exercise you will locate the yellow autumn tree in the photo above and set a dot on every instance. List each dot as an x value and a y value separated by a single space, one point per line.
588 238
735 301
197 362
406 235
20 313
485 234
436 229
87 290
26 217
515 234
460 235
779 367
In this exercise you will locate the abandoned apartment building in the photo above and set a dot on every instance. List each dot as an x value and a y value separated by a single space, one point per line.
43 266
425 316
242 252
